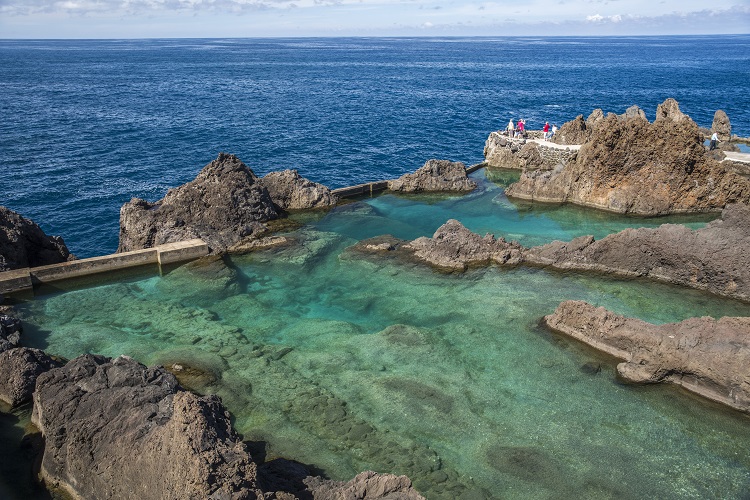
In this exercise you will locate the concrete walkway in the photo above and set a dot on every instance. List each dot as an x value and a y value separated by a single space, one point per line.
542 142
740 157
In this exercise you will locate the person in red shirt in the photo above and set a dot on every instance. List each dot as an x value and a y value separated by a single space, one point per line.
546 130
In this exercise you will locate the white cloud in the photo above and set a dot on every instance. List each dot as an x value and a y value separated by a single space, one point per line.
222 18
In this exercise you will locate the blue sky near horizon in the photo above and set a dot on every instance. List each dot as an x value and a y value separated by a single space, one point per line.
293 18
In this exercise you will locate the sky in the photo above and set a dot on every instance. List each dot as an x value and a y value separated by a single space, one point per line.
304 18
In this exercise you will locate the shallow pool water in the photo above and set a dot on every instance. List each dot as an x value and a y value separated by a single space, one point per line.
349 363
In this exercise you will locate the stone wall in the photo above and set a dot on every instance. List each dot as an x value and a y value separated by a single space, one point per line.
531 153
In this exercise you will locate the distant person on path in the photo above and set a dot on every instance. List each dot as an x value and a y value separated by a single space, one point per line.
546 131
511 128
714 140
554 131
521 128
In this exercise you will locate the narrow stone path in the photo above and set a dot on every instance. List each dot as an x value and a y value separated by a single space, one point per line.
735 156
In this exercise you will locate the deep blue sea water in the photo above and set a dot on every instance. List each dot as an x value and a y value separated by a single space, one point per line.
87 125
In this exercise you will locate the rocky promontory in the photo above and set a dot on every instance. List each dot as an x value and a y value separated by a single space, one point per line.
225 204
24 244
713 258
289 191
629 165
704 355
435 176
114 428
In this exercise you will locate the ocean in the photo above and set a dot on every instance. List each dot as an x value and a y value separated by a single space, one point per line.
88 125
348 363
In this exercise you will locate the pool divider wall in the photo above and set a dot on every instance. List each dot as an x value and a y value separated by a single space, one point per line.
24 280
21 280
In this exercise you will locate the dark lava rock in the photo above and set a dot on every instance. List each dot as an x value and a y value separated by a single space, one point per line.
572 132
10 332
455 247
435 176
289 191
19 369
224 204
629 165
24 244
704 355
116 429
713 258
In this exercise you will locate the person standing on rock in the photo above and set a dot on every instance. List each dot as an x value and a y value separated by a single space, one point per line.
714 140
511 128
521 128
554 131
546 130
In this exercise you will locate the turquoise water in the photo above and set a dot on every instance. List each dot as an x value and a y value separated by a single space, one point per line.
350 363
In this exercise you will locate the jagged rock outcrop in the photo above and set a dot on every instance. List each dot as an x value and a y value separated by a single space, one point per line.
24 244
452 247
455 247
713 258
572 132
116 429
722 126
10 331
224 204
633 166
633 112
365 485
289 191
19 369
435 175
669 111
704 355
594 118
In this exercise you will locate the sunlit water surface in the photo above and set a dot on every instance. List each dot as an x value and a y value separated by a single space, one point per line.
350 363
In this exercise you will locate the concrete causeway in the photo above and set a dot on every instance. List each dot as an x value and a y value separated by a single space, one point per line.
24 280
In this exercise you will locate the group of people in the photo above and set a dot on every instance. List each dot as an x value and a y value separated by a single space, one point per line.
518 131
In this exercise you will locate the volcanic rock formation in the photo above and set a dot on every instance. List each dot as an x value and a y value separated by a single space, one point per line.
19 369
116 429
289 191
435 175
706 356
24 244
722 126
225 203
629 165
713 258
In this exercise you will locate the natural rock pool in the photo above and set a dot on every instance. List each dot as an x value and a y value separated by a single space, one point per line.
348 363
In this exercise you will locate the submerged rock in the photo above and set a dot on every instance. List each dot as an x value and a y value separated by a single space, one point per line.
435 175
224 204
289 191
632 166
704 355
365 485
24 244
